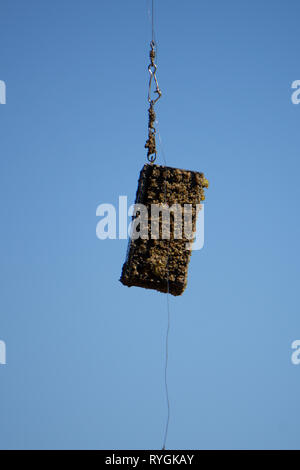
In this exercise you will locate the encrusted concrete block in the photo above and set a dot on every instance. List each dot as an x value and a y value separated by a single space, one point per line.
158 259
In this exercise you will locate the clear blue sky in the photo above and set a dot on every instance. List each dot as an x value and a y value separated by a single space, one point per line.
85 355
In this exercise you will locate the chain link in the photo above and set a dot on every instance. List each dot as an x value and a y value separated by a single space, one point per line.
151 143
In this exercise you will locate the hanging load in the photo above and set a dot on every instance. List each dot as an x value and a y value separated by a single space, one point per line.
164 221
168 199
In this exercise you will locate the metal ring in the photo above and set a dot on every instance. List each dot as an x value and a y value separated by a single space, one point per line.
152 158
152 68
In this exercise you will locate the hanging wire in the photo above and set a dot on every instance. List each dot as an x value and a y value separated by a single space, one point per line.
152 20
166 376
168 311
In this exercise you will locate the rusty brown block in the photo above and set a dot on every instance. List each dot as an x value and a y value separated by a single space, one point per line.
162 264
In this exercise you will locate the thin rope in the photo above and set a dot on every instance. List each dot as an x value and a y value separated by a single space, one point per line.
152 20
168 312
166 370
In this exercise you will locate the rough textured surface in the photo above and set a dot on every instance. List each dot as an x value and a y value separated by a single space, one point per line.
150 263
